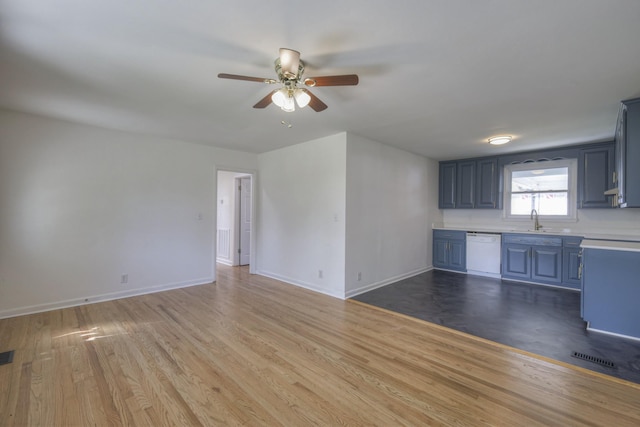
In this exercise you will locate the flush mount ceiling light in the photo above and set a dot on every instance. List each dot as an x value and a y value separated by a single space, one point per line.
499 140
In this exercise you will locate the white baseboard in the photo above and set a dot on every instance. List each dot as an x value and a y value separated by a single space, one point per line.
309 286
600 331
39 308
366 288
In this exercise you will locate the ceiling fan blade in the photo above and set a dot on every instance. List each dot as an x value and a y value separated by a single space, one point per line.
247 78
315 102
264 102
343 80
289 61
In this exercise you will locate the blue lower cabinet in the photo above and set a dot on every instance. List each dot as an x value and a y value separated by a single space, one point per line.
532 258
516 261
611 291
450 250
572 262
546 264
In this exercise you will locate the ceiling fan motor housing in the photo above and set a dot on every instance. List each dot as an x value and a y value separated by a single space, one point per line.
285 75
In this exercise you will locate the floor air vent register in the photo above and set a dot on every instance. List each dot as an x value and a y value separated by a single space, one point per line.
6 357
594 359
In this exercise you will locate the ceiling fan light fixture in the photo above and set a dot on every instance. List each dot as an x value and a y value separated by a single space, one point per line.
289 106
279 97
302 98
290 69
499 140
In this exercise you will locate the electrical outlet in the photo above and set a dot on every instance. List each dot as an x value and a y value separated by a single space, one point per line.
319 274
124 278
359 276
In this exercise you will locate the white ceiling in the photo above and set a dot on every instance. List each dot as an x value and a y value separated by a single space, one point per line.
437 77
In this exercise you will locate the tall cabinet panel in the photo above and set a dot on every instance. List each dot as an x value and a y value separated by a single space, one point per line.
466 185
447 190
596 170
487 183
628 154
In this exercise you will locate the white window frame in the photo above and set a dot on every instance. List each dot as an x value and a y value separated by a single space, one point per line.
572 192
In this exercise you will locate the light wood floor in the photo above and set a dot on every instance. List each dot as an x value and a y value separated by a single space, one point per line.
249 350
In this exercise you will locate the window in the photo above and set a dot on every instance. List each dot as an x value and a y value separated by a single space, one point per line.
549 187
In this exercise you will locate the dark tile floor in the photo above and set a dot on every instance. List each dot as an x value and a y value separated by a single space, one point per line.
539 319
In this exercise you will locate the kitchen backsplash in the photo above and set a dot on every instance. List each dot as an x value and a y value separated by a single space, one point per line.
602 221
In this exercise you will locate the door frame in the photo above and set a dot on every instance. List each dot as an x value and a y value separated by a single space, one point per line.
254 190
237 257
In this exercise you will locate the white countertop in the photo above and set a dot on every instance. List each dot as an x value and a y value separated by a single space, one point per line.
611 245
552 232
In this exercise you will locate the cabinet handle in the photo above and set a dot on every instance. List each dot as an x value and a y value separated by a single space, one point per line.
614 177
580 265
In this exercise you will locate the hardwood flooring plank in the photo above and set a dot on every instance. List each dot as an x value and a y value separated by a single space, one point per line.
249 350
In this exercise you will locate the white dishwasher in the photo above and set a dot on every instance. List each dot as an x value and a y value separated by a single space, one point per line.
483 254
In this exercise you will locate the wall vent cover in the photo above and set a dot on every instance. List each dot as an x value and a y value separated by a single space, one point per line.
594 359
6 357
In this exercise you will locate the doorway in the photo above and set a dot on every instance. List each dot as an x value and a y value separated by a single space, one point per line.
243 212
234 237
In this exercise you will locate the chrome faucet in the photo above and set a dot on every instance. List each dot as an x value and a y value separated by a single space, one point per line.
536 223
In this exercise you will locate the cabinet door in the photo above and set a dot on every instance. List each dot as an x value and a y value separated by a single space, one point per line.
458 255
447 187
571 267
595 176
440 253
546 264
516 261
466 184
631 154
487 184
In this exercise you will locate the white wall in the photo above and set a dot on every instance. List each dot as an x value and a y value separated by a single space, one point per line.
392 199
80 206
301 214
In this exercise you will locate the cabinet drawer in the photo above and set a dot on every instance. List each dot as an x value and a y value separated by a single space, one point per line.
572 242
527 239
449 234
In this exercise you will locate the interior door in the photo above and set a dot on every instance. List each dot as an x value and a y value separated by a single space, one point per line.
245 220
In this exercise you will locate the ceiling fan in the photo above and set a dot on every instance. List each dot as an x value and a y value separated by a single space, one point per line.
289 69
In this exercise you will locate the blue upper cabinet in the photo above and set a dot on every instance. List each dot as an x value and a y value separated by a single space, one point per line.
628 154
487 181
596 172
468 184
447 185
465 197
